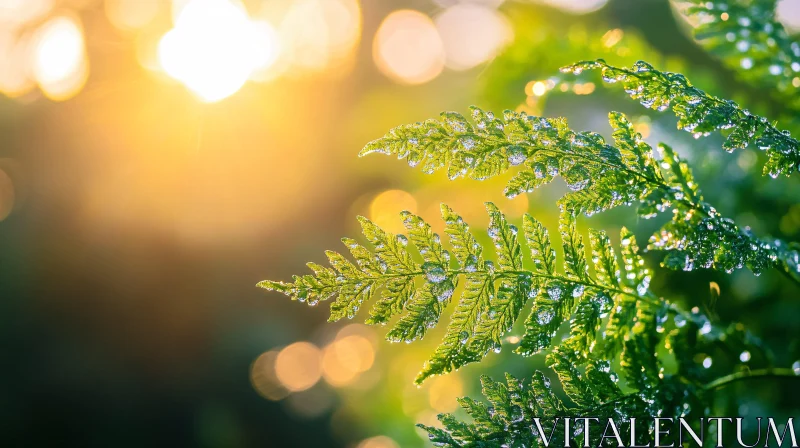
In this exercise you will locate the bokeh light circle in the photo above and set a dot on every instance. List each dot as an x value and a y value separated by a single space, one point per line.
298 366
576 6
408 48
472 34
59 58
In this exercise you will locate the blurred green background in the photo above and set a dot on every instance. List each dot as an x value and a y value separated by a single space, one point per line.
158 158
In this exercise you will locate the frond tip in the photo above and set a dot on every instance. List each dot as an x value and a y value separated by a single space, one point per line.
413 291
701 113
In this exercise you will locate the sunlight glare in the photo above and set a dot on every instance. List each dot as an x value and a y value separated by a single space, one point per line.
215 47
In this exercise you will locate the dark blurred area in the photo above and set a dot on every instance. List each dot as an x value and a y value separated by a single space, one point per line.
141 208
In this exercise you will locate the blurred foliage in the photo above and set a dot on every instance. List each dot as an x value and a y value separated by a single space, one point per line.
747 36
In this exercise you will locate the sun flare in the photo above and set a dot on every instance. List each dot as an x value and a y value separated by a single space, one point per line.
215 47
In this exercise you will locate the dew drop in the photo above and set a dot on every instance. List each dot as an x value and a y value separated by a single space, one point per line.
434 272
516 155
471 263
554 291
544 316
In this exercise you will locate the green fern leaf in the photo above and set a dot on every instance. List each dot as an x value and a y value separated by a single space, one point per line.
601 177
701 113
493 297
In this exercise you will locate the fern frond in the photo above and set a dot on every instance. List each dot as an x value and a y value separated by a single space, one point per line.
596 391
747 36
701 113
493 295
524 413
601 176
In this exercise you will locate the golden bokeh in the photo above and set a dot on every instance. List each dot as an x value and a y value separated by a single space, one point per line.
319 34
408 49
386 207
643 127
14 60
129 15
344 359
59 64
612 37
537 88
264 378
310 403
298 366
443 392
378 442
14 13
586 88
472 34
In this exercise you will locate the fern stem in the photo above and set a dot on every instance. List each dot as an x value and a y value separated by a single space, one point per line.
650 298
748 374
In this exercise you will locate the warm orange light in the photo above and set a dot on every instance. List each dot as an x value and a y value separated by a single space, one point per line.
472 34
643 128
378 442
264 379
14 59
408 48
297 366
320 34
444 391
215 47
612 37
59 58
15 12
386 207
345 358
